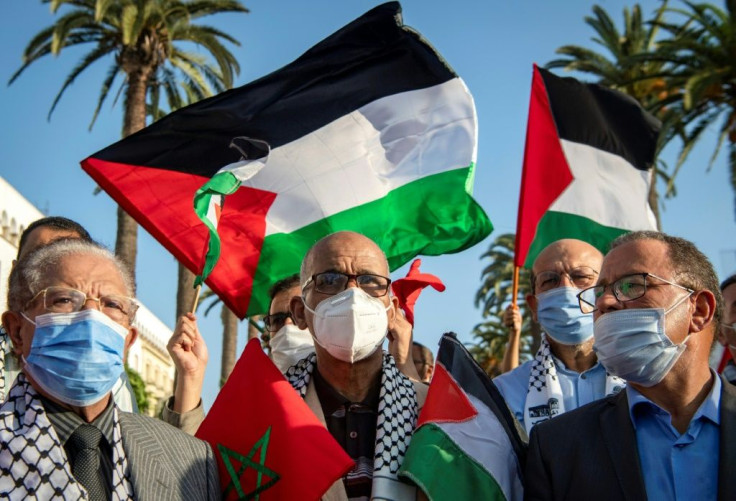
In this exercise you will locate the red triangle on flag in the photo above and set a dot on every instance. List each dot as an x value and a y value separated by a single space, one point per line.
446 401
302 460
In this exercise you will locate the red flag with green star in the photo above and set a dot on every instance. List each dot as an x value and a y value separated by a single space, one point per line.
268 443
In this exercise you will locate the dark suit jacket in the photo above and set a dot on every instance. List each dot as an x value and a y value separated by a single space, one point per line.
591 453
166 463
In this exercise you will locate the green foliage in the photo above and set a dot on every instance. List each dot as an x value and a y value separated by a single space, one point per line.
493 296
139 390
145 39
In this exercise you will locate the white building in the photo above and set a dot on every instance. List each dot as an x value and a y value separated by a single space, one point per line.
148 356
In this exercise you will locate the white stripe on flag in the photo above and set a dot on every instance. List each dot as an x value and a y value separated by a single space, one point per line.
485 440
363 156
606 189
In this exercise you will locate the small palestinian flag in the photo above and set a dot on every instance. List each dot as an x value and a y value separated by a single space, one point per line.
370 131
587 166
467 444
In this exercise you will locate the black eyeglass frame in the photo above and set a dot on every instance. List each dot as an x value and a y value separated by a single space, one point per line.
312 280
592 308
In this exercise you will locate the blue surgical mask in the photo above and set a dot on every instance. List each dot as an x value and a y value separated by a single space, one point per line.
76 357
632 344
559 315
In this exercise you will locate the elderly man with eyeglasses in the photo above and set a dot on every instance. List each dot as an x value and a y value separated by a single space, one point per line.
565 373
63 437
353 386
672 433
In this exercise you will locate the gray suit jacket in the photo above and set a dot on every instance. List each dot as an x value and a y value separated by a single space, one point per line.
166 463
591 453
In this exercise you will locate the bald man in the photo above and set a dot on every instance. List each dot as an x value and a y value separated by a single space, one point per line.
565 373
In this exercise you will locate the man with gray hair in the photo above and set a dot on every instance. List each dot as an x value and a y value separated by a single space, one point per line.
69 317
671 434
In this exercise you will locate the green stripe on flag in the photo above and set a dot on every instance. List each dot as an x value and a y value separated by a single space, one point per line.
432 451
433 215
557 225
222 183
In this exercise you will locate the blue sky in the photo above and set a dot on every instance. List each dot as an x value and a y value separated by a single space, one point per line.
491 45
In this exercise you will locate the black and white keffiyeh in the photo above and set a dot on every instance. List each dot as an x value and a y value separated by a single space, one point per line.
544 399
397 418
33 463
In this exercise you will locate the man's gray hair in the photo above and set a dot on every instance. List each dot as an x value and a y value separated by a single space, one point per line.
29 275
691 267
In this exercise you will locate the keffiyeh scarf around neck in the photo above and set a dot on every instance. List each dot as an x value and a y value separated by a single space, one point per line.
33 462
544 399
397 418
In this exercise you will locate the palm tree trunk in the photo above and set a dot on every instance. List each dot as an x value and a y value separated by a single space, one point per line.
134 119
229 342
184 292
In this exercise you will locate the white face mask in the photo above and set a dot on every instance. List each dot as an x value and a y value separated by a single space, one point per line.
350 325
289 345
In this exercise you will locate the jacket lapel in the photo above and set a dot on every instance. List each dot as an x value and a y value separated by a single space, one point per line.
149 472
619 437
727 449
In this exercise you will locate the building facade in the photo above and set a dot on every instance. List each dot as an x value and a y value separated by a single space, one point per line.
148 355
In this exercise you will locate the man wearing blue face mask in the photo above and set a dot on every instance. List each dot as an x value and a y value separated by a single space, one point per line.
63 437
565 373
672 433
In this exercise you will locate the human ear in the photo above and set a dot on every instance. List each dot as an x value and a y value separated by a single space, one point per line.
705 308
12 322
531 300
298 312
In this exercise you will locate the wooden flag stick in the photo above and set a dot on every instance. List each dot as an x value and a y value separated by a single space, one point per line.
196 298
515 286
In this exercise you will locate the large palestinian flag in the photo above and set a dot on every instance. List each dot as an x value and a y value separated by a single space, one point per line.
370 130
467 444
587 166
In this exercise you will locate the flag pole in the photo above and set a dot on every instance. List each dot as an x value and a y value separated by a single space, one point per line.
515 286
196 298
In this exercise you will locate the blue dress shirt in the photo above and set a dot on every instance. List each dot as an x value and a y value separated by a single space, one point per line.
578 388
674 465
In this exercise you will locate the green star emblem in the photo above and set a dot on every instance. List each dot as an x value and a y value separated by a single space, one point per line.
228 458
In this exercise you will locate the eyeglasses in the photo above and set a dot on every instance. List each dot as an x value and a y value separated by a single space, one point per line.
581 277
276 321
624 289
65 300
334 282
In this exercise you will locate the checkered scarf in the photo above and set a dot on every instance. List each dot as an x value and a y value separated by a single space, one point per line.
397 418
544 399
33 463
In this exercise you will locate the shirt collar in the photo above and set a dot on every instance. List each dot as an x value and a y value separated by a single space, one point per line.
708 409
331 400
66 421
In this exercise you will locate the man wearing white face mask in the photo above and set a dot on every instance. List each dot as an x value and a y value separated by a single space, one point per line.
287 343
672 433
350 383
565 373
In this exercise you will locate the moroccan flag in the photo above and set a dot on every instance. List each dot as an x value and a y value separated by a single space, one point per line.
587 166
370 130
268 443
466 445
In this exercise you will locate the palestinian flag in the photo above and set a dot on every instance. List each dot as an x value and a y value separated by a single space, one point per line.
587 166
268 443
466 445
370 130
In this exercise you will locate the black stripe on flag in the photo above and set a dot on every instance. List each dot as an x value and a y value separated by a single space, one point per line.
373 57
603 118
460 364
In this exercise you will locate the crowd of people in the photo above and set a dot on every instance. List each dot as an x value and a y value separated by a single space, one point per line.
619 402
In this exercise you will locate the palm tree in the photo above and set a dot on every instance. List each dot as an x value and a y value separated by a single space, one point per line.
700 59
621 69
140 36
494 294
